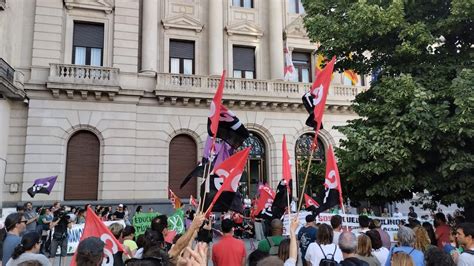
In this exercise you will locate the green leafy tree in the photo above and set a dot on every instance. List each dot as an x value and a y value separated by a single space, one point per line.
416 125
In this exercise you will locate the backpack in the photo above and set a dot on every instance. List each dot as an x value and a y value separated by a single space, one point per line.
273 247
326 261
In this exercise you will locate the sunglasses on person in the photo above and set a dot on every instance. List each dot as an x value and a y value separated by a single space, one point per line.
23 221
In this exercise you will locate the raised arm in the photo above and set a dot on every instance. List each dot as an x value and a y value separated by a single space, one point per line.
184 240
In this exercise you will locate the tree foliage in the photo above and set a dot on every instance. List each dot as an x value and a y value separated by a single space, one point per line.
416 125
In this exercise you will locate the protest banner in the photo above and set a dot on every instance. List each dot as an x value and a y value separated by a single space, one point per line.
142 221
389 224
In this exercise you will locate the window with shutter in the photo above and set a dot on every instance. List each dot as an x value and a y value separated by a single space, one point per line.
302 63
82 167
244 62
88 44
182 57
182 160
243 3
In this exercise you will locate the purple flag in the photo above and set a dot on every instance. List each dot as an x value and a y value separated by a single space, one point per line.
222 152
42 185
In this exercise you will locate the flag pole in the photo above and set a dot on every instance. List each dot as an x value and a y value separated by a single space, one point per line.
306 176
288 199
208 172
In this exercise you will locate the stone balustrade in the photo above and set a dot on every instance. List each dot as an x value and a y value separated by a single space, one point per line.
235 89
84 80
80 74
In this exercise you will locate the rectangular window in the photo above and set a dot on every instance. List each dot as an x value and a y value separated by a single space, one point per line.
243 3
302 63
182 57
88 44
295 7
244 62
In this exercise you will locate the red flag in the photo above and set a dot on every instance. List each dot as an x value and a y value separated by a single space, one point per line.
332 180
193 201
319 90
286 163
265 200
216 106
95 227
310 201
175 200
229 173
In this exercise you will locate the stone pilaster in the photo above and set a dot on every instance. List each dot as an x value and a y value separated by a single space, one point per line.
150 36
276 38
216 38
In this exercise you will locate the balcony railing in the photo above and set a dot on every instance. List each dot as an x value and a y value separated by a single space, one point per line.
259 89
6 71
85 75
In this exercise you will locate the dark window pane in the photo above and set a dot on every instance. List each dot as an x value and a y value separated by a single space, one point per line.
244 58
182 49
301 57
88 35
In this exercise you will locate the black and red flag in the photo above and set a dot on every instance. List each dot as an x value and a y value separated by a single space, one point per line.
230 129
280 203
332 194
310 203
224 182
315 100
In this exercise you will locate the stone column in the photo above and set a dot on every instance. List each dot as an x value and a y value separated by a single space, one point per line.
216 37
4 131
276 38
150 36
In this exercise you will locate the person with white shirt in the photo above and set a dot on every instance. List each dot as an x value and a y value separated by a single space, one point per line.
397 213
378 250
323 247
336 224
465 237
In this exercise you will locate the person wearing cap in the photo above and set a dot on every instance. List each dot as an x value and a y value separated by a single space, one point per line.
90 251
119 214
307 234
15 224
274 240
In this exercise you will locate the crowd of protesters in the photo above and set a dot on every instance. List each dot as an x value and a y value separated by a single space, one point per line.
34 237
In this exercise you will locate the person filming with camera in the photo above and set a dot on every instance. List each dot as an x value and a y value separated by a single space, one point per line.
59 226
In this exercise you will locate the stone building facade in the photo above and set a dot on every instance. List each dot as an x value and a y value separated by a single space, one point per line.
112 96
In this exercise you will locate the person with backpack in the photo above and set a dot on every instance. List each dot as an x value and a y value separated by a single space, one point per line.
348 245
324 252
270 244
465 236
406 244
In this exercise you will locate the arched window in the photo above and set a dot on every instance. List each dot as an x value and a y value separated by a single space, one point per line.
182 160
302 152
82 167
255 170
